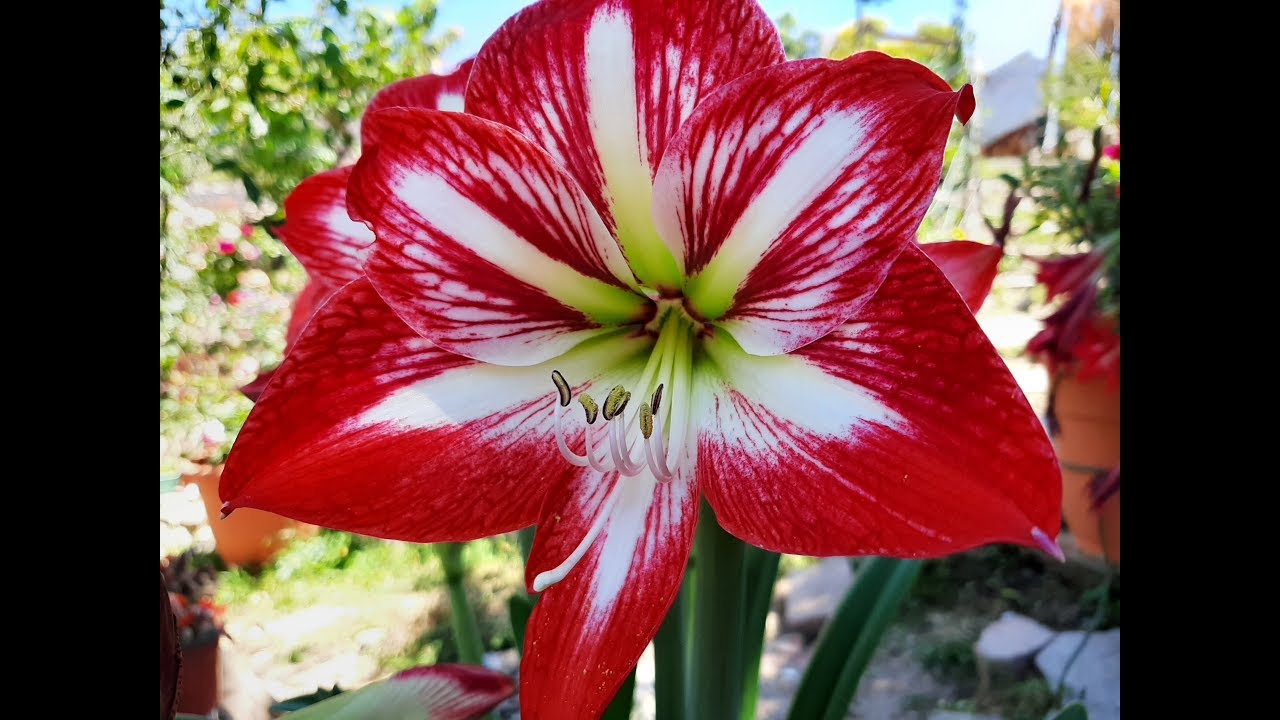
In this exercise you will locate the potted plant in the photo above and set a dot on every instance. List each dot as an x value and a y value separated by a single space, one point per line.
1080 341
198 622
250 537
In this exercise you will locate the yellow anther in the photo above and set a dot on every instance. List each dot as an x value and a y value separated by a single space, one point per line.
589 405
646 420
614 402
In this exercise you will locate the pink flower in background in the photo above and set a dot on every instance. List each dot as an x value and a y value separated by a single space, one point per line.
226 247
1112 151
249 251
246 231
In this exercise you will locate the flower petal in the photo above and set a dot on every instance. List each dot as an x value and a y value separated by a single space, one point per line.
970 266
318 231
902 434
368 428
604 84
430 692
430 92
589 630
485 246
787 196
312 296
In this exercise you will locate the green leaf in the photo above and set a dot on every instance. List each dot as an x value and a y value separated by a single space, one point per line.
761 571
251 189
620 708
850 639
1074 711
519 607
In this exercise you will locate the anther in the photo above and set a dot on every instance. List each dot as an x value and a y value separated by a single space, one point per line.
589 405
562 387
657 400
646 421
614 402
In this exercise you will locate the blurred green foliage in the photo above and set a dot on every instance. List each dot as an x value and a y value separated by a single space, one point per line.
250 105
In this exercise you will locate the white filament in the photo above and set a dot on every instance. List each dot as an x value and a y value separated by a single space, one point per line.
617 456
550 577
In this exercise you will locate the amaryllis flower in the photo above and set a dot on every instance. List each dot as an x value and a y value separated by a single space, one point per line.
970 266
431 692
651 262
318 231
1112 151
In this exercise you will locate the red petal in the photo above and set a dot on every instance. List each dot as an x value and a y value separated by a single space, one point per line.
431 692
455 692
370 429
900 434
788 195
430 92
310 298
604 84
485 246
589 630
254 389
1069 273
970 266
318 231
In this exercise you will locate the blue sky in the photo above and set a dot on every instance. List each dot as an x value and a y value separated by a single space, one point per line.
1001 28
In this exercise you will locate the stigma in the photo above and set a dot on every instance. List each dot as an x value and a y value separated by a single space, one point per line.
608 427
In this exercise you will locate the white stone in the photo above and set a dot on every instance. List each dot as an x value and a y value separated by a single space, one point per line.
1094 676
813 594
1012 640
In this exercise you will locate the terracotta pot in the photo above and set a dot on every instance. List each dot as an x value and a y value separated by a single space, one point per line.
248 536
198 688
1088 440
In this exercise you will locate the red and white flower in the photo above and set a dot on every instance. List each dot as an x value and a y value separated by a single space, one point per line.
645 211
318 230
430 692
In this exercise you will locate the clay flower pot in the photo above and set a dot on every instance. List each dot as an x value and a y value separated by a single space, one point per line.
198 687
1088 442
248 536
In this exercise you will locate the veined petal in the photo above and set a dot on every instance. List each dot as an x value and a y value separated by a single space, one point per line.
604 84
589 630
312 296
318 231
970 266
902 434
431 692
430 92
367 427
485 246
787 195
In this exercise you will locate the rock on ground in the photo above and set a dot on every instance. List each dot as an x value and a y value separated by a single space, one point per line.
811 595
1094 676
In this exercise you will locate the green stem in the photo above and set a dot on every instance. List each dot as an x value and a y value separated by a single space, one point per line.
465 631
719 609
761 573
669 654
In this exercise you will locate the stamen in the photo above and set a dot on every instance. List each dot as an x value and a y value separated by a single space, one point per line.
646 420
589 405
597 463
657 399
613 403
550 577
618 448
562 387
568 454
